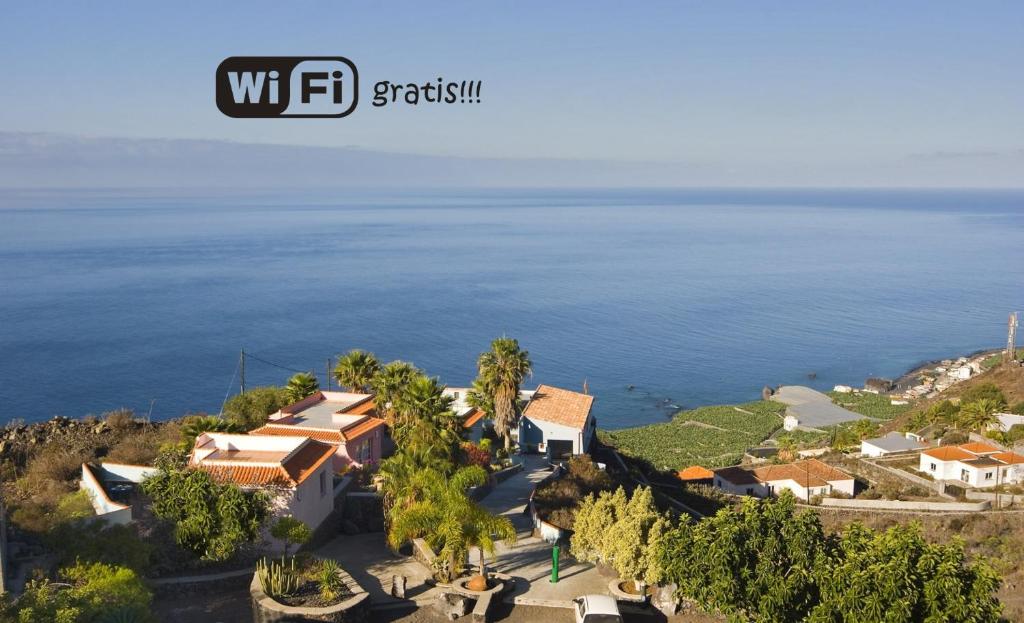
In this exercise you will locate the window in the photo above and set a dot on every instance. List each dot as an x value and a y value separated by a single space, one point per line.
363 453
964 475
323 483
988 475
932 467
750 491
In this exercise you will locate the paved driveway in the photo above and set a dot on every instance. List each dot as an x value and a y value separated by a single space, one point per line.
813 408
510 497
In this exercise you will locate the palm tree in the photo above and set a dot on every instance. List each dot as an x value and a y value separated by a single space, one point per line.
356 369
389 383
424 421
501 371
450 522
481 397
300 386
194 425
979 414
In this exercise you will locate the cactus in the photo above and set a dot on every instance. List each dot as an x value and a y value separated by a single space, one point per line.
278 578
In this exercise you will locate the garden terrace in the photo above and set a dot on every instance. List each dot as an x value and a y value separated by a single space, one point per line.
709 436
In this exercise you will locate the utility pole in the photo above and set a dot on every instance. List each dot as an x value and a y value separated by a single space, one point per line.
1011 338
241 367
328 375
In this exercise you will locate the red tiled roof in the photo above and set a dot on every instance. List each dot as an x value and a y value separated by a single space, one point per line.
1010 458
361 428
303 463
247 475
559 406
472 418
807 473
949 453
292 472
287 430
976 447
695 472
365 406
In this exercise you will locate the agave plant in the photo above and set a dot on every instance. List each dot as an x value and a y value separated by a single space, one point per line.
278 578
328 576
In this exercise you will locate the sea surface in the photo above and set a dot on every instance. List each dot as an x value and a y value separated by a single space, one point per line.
655 299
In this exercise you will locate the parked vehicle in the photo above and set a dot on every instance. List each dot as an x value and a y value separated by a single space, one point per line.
596 609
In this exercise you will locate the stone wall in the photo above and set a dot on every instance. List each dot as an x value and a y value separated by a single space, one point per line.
355 609
962 507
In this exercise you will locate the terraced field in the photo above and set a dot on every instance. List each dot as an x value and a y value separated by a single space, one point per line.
709 436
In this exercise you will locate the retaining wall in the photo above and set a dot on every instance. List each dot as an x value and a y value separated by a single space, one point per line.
355 609
907 506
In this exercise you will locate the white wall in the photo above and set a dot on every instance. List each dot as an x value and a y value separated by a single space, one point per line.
106 509
944 470
550 430
307 503
870 450
757 489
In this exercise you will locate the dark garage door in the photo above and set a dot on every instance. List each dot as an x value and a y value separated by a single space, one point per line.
559 448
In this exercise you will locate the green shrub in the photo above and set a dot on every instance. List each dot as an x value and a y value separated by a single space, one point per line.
211 519
97 592
250 410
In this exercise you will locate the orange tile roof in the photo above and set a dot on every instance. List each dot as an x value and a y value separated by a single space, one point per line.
559 406
695 472
248 475
365 406
807 473
361 428
307 460
287 430
977 447
1010 458
472 418
949 453
291 473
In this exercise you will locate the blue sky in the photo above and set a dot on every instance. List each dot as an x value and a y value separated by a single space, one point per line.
793 91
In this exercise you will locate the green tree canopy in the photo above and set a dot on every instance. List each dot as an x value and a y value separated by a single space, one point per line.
211 519
98 593
289 531
301 385
501 371
250 410
389 384
450 522
765 561
978 415
355 370
984 390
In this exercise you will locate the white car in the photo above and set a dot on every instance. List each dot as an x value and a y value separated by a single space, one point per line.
596 609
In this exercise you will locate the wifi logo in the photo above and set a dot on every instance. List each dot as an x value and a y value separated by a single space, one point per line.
287 86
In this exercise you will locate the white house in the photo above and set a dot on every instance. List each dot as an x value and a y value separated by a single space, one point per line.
348 421
1006 421
296 471
889 443
557 422
739 481
805 479
974 464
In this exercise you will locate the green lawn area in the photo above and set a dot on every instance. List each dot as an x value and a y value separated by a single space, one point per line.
709 436
871 405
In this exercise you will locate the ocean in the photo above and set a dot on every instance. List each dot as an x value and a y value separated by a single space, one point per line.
656 299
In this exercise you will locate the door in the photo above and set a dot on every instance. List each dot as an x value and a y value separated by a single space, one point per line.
559 448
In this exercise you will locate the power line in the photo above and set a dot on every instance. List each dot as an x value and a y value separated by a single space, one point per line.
230 383
271 363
